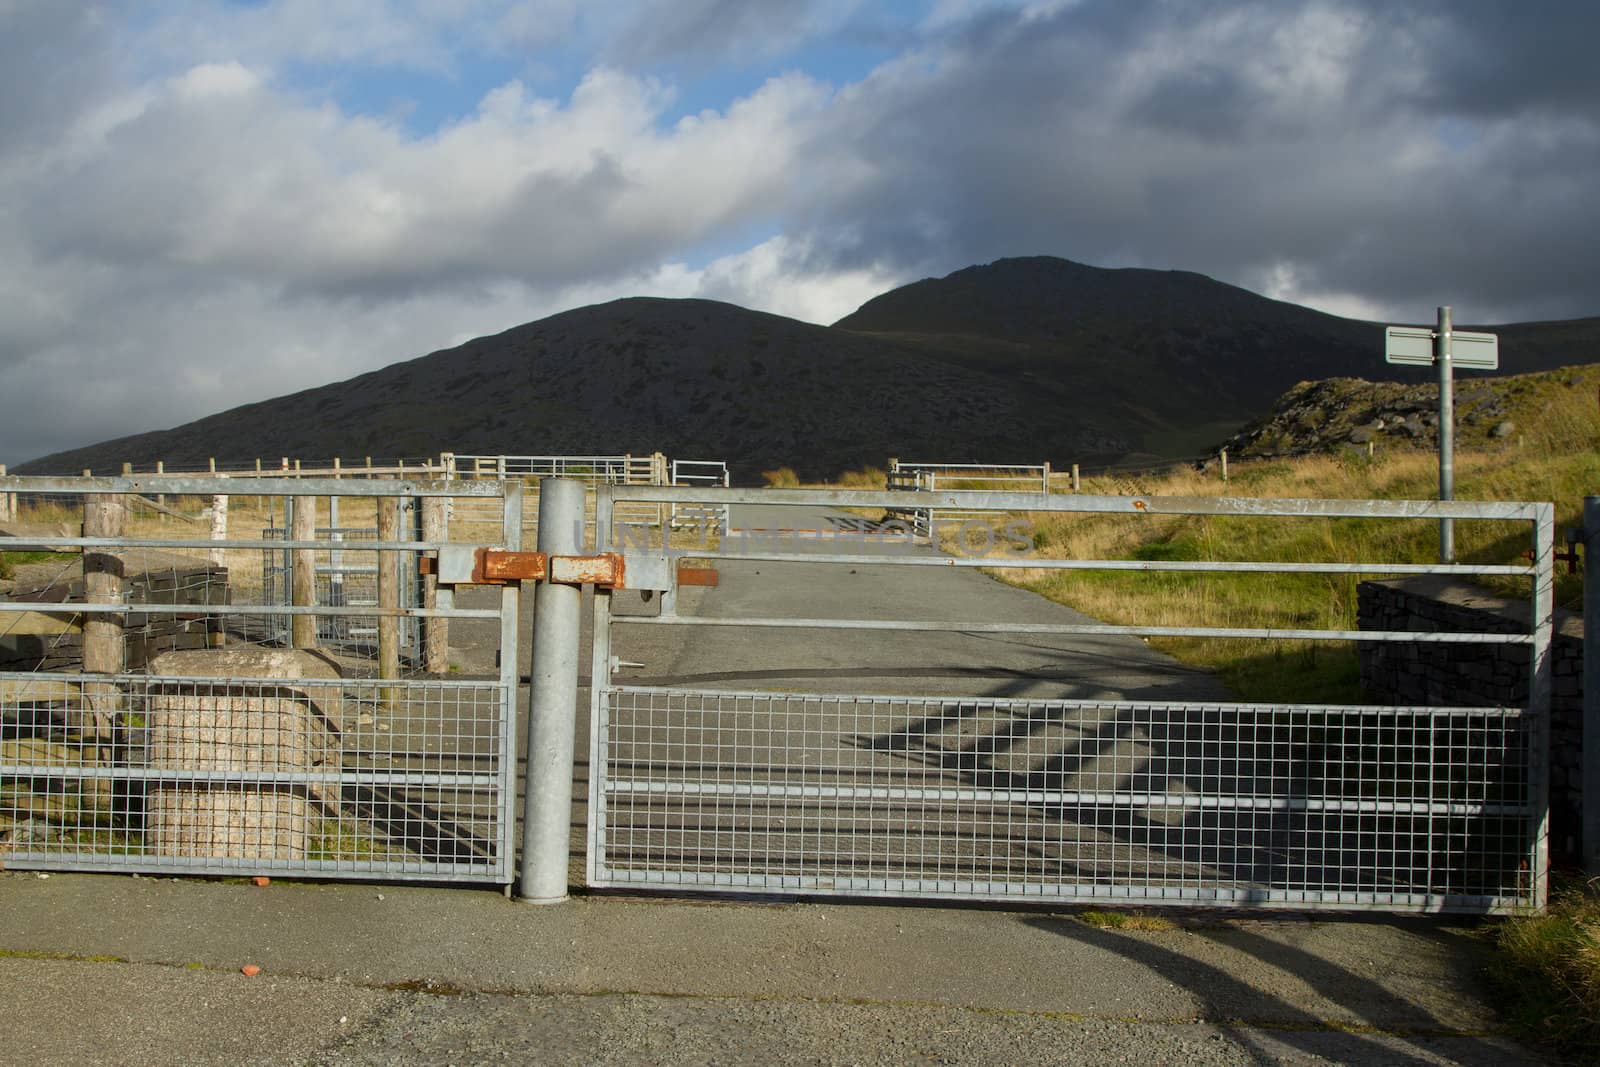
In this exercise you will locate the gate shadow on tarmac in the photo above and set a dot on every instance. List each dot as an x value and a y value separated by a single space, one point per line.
1246 1013
1308 800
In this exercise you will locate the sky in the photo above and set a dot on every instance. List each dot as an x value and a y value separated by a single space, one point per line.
204 204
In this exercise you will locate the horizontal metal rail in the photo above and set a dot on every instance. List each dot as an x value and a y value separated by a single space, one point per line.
890 700
1083 629
233 681
78 607
964 889
269 544
387 870
1064 502
179 485
1030 563
1061 797
257 778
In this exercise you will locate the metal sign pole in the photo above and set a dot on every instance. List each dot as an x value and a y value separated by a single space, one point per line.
1590 822
1447 432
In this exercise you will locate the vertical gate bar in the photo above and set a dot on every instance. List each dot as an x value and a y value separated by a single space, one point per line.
510 649
1542 621
302 579
599 679
553 698
1447 431
1590 684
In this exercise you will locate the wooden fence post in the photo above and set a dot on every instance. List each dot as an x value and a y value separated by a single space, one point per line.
8 501
388 596
1076 485
435 632
104 515
303 579
1224 455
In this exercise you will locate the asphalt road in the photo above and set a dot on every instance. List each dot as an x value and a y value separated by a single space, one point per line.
120 969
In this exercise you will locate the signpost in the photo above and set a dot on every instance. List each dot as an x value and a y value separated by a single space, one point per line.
1444 348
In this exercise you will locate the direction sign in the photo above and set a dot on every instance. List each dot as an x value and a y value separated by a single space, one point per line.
1414 345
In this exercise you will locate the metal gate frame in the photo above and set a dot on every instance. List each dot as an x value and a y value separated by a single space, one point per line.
306 776
638 734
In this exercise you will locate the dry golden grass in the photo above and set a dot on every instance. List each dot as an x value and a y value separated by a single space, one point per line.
1549 973
1553 458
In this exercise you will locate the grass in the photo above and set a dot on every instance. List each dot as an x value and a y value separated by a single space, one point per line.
1121 920
9 561
1548 977
1560 465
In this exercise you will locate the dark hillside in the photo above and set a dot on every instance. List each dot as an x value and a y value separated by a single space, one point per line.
1022 360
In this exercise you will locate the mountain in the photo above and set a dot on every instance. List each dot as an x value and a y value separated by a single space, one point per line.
1176 356
1022 360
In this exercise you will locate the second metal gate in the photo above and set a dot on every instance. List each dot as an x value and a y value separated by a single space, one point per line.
988 798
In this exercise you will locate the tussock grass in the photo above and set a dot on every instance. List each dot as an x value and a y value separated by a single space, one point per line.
782 478
1554 458
865 478
1548 976
1122 920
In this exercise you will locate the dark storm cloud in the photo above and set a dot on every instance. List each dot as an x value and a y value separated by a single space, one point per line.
1498 59
1378 155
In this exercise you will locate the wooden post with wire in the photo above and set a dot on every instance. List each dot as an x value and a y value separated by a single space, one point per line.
388 596
104 516
303 576
435 632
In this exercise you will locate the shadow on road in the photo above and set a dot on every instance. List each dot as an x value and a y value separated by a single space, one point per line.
1252 798
1249 1015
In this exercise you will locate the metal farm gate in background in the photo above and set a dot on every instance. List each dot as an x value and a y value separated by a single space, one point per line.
996 799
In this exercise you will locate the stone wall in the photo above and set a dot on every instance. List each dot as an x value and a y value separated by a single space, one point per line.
1479 675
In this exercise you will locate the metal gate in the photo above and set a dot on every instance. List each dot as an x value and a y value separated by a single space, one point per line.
186 735
1208 802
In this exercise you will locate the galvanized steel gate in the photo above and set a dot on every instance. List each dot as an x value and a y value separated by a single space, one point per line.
961 798
232 753
410 776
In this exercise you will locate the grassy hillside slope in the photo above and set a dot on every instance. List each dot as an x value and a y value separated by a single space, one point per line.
1554 455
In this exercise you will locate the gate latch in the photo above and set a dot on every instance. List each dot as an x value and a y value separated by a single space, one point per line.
473 565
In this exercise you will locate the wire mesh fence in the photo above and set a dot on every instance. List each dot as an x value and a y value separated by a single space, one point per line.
207 774
267 699
1065 800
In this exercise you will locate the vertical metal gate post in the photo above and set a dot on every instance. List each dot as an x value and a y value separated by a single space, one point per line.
552 702
1539 693
1591 685
1447 432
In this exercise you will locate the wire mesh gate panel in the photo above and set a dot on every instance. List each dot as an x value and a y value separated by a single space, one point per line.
234 753
1070 800
981 798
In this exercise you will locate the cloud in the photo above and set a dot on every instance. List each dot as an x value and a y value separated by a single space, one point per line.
189 218
1229 139
705 31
